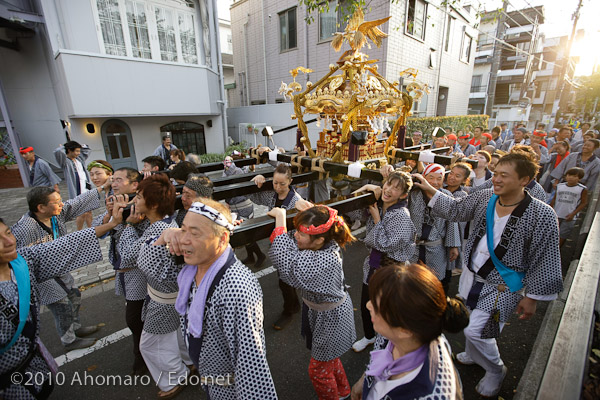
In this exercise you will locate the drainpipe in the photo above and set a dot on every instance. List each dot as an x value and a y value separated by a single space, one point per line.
306 46
246 61
262 7
439 71
222 101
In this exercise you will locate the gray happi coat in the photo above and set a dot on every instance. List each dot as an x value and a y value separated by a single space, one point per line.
158 266
393 235
320 277
436 257
45 261
532 248
130 284
233 337
69 168
28 232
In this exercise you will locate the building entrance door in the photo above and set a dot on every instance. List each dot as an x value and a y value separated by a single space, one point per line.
118 145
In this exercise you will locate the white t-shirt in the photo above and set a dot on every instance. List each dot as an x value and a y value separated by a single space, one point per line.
567 198
82 176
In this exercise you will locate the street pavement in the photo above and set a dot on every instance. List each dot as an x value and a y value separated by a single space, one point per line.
102 371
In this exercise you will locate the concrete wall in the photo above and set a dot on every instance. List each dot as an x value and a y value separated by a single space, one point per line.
30 95
100 85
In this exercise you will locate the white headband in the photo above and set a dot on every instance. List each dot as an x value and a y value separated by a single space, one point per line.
212 214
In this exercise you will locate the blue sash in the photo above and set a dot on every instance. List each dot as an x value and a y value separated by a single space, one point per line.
513 279
21 271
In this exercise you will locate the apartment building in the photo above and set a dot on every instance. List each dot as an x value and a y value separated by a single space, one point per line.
514 89
271 37
113 74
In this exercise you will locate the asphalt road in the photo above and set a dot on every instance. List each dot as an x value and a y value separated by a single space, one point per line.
89 377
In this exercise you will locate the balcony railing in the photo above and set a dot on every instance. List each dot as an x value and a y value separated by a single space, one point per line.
478 89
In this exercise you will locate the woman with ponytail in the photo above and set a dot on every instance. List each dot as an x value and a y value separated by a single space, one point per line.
410 310
310 258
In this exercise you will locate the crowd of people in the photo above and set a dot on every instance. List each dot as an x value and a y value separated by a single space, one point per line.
194 308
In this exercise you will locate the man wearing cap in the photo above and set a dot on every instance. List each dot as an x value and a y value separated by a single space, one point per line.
518 138
451 141
40 173
164 150
416 137
439 140
221 303
463 144
486 139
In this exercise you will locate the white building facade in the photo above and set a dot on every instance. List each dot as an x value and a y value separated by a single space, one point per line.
114 74
272 37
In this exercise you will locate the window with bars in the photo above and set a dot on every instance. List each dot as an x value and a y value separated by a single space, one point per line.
187 136
149 30
287 29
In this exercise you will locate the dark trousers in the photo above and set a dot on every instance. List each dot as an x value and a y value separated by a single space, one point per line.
291 305
133 317
365 314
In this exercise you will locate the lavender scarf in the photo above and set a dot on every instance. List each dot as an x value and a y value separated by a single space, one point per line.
383 364
195 315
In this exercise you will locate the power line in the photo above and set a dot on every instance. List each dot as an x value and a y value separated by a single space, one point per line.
534 9
524 16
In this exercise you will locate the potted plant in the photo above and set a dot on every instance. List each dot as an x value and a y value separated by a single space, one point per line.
250 127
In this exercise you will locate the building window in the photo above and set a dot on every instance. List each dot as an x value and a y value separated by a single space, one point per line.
416 16
419 108
332 21
449 24
287 29
109 18
143 29
476 84
432 59
138 29
187 136
467 44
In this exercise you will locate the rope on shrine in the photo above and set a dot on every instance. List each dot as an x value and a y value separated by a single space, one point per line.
317 165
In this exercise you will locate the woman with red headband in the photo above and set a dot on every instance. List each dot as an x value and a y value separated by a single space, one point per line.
310 258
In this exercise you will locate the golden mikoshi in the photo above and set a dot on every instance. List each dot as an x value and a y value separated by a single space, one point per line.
353 96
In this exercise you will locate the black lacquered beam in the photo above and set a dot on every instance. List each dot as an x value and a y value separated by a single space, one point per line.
228 180
414 155
424 146
246 188
259 228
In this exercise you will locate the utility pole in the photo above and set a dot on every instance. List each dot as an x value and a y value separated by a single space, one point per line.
562 97
496 59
